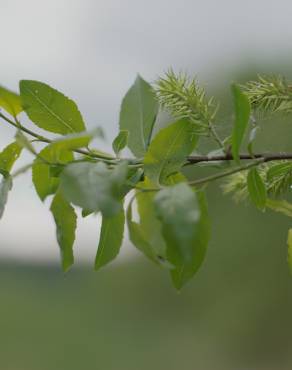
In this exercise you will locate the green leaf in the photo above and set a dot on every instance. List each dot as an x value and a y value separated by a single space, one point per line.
177 208
168 151
94 187
10 102
44 175
289 242
147 234
70 142
111 237
149 223
5 187
183 273
44 180
242 115
9 155
49 109
139 238
121 141
281 206
65 219
256 188
138 113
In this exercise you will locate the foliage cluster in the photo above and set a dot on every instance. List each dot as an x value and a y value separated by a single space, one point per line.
172 227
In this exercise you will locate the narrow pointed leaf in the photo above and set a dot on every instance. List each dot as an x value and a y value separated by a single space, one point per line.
184 272
65 219
10 102
256 188
49 109
139 238
168 151
138 112
111 237
242 115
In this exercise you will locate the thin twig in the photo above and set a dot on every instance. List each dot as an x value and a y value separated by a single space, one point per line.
267 157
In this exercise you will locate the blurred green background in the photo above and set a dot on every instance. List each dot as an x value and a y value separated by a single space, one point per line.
235 313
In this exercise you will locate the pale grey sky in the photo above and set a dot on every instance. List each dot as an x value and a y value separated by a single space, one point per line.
92 49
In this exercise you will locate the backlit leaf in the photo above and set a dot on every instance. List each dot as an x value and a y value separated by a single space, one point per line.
10 102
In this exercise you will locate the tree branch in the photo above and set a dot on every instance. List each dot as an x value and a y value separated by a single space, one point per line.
266 157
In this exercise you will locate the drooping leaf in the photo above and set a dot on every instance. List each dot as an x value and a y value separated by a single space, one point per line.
49 109
9 155
149 223
183 273
138 113
10 102
168 151
242 115
289 242
65 219
94 187
139 238
111 237
147 234
121 141
281 206
256 188
5 187
43 178
177 208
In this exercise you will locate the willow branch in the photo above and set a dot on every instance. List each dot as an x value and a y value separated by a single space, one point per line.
44 139
222 174
266 157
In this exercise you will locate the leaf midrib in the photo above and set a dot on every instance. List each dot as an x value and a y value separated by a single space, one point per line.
43 104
